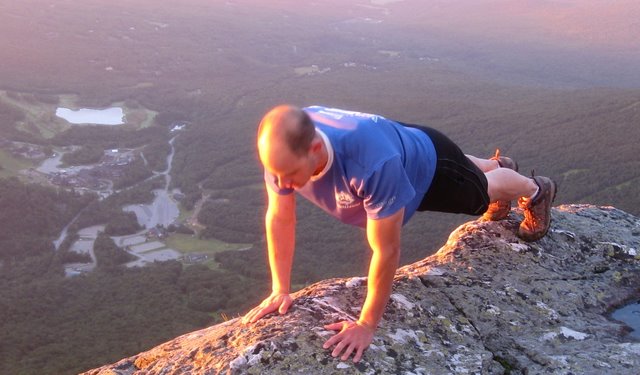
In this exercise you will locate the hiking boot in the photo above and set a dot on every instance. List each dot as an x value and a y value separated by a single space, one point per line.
499 210
537 210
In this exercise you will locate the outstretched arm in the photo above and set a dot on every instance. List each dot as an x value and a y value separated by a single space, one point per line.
384 238
280 223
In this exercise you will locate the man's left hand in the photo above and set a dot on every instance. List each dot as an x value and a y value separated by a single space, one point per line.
353 336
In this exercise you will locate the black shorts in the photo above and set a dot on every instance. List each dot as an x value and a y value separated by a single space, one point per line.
458 185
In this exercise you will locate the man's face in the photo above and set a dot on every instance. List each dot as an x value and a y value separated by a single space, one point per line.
292 171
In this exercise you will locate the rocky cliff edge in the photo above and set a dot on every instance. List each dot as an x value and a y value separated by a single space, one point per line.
485 303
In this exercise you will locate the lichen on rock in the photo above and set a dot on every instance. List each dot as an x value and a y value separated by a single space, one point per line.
485 303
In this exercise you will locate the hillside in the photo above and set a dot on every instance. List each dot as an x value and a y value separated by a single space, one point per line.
517 77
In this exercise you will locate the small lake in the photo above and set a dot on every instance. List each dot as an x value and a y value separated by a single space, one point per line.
630 315
108 116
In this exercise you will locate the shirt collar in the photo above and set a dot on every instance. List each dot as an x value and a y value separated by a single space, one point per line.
329 148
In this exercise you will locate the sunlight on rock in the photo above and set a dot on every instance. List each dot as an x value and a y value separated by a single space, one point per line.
483 297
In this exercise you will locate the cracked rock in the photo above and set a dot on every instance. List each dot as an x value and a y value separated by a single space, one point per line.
485 303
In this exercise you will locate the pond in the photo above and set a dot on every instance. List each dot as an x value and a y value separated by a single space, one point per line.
108 116
630 315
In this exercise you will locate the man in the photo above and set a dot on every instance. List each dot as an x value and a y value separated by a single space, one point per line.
375 173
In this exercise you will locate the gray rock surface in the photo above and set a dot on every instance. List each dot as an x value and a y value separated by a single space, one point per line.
485 303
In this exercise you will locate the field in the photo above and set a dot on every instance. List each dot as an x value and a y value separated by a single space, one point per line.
187 244
11 165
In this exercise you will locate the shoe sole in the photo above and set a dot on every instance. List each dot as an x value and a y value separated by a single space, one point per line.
553 198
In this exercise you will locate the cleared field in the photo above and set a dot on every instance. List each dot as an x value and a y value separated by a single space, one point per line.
184 214
573 172
146 247
40 118
10 165
139 117
186 243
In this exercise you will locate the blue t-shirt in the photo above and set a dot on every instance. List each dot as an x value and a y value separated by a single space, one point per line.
376 166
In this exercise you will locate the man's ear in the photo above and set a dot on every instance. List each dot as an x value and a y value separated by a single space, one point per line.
316 145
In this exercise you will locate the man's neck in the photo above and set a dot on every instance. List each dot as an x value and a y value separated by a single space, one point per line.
325 156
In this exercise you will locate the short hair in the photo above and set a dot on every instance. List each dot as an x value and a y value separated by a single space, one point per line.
299 137
295 126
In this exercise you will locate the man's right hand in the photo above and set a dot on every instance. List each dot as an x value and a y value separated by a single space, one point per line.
276 301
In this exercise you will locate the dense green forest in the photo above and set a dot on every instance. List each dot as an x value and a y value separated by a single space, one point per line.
108 137
46 315
120 223
87 154
32 216
56 325
108 254
218 67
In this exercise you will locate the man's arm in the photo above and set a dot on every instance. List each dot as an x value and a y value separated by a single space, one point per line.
280 223
384 238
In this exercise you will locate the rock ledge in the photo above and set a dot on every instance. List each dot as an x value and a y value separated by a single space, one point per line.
485 303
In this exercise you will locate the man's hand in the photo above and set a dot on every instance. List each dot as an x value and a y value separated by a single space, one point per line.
353 336
276 301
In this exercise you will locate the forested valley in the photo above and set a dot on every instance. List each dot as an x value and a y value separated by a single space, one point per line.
218 68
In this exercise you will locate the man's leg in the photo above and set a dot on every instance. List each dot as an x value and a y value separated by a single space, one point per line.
505 184
467 184
485 165
535 195
498 209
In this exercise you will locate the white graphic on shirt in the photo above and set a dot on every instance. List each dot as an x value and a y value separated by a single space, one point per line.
338 114
388 202
346 200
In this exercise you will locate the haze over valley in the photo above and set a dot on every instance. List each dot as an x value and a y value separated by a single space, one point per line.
121 232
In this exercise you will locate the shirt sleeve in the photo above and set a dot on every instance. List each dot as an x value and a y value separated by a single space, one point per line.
272 183
387 189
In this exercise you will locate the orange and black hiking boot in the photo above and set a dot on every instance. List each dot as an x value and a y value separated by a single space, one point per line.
499 210
537 210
